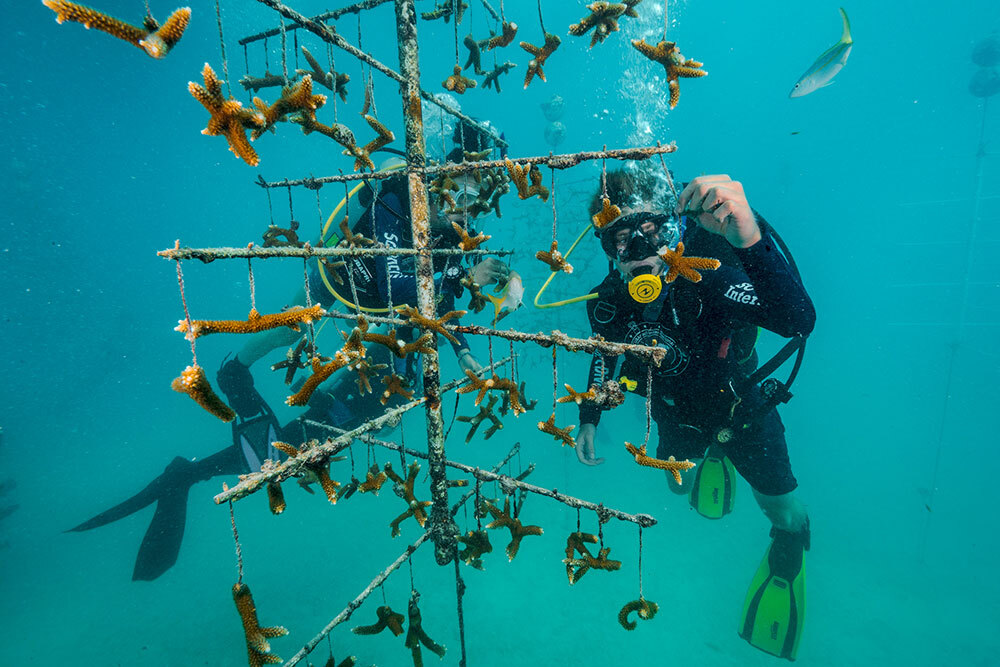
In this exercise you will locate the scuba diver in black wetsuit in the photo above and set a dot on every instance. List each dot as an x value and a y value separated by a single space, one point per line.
376 281
706 400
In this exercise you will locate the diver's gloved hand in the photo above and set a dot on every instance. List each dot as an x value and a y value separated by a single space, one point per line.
236 383
467 362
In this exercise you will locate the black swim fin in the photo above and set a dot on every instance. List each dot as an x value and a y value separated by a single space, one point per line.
162 541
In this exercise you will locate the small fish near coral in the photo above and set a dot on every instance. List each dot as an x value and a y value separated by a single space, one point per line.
820 74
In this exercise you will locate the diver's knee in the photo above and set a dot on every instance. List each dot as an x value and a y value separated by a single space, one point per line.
785 512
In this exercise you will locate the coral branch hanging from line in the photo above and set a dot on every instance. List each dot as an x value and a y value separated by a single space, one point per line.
154 39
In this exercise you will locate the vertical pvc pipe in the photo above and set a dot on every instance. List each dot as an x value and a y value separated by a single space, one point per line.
443 528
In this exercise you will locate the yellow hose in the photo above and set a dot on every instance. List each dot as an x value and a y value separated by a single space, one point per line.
545 285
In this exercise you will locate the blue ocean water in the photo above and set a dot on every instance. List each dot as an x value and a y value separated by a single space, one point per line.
878 184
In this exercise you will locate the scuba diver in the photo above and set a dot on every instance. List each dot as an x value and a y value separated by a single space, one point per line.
707 398
370 284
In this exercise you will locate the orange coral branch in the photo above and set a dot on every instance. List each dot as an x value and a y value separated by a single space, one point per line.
395 385
158 44
321 372
467 242
577 567
520 176
374 480
255 322
608 213
458 83
429 324
675 64
477 543
549 426
506 36
483 385
258 648
672 465
387 618
294 99
397 347
686 266
554 258
577 397
228 117
517 529
540 55
275 498
485 412
153 39
194 383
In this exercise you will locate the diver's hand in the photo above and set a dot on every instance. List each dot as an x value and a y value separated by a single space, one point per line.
489 271
719 205
467 362
585 445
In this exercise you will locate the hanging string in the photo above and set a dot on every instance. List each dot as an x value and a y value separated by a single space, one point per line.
513 371
187 315
454 11
368 80
236 539
600 529
540 20
310 327
270 209
350 450
222 46
604 175
553 194
649 402
381 587
578 519
253 289
267 58
478 515
402 443
460 591
640 561
555 379
333 71
670 178
666 20
284 51
291 210
410 562
295 42
348 271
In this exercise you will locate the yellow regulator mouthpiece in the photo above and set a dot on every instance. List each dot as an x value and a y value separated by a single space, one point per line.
645 288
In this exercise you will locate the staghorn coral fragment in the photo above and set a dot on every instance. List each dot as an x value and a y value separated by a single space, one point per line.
416 635
404 489
349 239
272 237
430 324
362 155
485 413
293 359
475 55
444 9
349 661
350 488
398 347
258 648
467 242
321 372
255 83
603 18
646 610
339 133
492 79
508 30
505 520
674 63
527 403
374 480
192 381
275 498
520 177
476 543
609 212
395 385
336 83
457 83
577 397
387 618
679 265
364 369
228 117
577 567
159 43
255 322
483 385
294 99
539 55
152 38
549 426
671 465
554 258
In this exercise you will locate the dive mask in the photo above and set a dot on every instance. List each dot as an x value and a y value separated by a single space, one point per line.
638 236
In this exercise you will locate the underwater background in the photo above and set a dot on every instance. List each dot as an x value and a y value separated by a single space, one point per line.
892 433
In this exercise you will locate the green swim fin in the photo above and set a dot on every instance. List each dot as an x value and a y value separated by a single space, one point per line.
714 490
774 609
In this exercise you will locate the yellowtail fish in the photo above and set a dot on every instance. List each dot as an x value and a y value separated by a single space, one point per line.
509 299
821 72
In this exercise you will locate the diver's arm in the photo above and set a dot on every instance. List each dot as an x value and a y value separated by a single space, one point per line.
785 307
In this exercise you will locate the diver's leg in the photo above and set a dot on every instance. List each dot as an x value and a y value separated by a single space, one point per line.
673 440
785 511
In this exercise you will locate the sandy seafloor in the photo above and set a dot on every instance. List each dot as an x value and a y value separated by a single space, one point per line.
892 429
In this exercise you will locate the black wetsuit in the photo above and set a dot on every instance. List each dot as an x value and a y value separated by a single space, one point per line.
696 322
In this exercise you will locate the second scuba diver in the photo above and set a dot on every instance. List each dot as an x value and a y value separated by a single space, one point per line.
705 398
373 282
